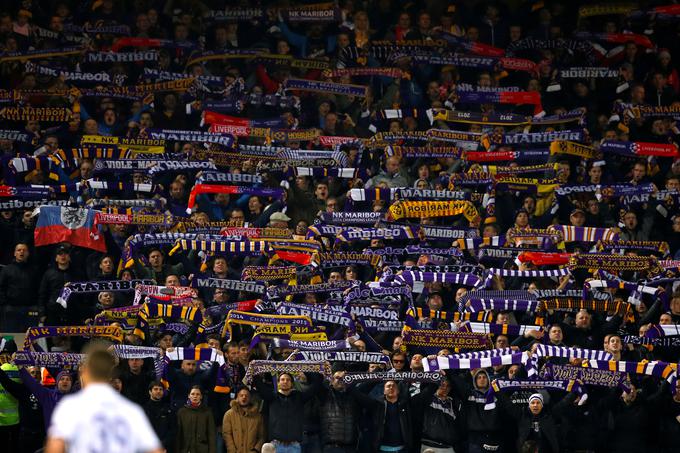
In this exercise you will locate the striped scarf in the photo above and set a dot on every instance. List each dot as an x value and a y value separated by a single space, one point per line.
663 330
198 354
425 312
499 329
663 370
476 243
324 172
621 308
240 247
166 311
551 273
481 354
591 285
410 277
477 304
546 350
458 363
584 234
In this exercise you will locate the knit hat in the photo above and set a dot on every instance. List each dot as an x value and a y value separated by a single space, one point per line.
536 396
63 373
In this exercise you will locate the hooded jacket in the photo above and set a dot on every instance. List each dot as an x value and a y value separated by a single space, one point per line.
243 429
481 423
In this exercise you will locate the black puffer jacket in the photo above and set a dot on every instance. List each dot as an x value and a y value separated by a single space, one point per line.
339 415
338 418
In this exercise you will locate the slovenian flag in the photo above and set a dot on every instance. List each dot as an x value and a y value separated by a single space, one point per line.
73 225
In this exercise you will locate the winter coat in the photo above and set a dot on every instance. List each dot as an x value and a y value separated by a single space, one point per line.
443 422
285 416
340 415
162 421
243 429
17 285
195 430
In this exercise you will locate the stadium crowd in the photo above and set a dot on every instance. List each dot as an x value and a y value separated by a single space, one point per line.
354 226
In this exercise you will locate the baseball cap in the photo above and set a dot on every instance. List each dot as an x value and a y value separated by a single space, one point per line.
63 248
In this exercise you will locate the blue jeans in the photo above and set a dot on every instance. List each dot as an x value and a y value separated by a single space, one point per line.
289 448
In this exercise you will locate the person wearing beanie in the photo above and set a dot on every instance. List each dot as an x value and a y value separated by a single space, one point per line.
48 398
534 422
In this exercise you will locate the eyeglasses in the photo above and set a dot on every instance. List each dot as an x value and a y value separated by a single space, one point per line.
398 361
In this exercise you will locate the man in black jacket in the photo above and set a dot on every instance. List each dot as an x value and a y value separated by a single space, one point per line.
51 284
160 415
17 291
286 408
535 423
443 421
136 380
484 427
393 417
